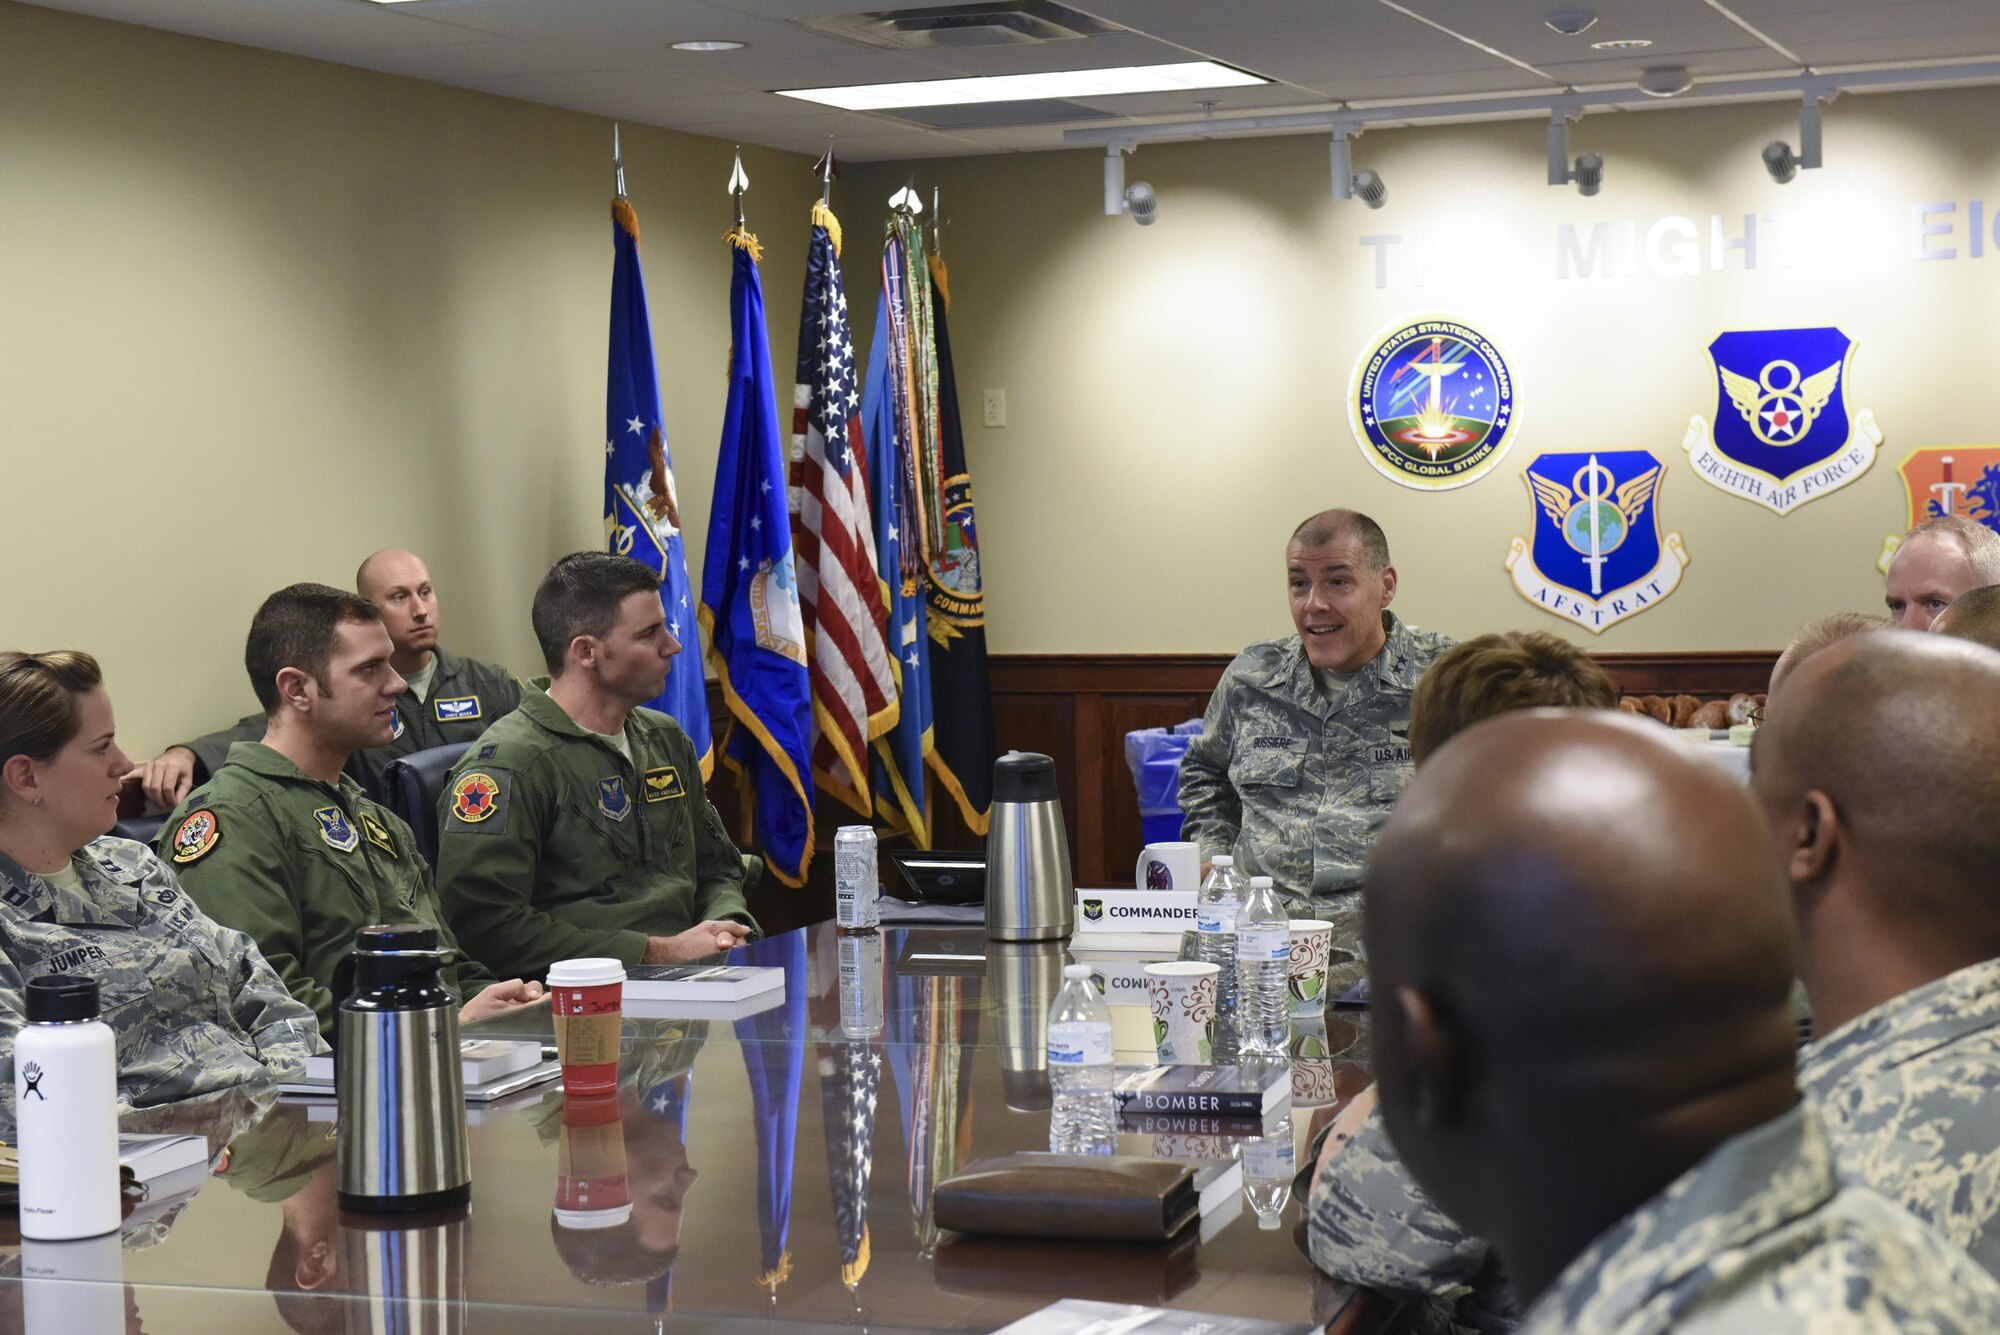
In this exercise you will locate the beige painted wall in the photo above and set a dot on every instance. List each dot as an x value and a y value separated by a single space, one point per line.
263 315
1176 394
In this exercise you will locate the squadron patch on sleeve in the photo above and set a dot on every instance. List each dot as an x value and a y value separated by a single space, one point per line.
476 798
195 836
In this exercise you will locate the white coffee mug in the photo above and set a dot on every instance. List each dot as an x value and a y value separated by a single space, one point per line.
1174 866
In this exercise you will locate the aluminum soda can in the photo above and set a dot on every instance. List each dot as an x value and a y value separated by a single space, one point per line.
855 883
861 985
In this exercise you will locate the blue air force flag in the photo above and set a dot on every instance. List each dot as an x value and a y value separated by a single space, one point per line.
1597 555
1783 432
642 516
750 596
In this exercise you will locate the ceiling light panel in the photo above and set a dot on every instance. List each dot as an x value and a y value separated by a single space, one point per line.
1021 87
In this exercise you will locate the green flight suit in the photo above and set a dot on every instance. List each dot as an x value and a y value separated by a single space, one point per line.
552 845
465 697
301 866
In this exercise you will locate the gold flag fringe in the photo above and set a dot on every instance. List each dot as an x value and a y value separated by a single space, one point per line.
771 1279
938 277
627 219
851 1273
822 216
743 239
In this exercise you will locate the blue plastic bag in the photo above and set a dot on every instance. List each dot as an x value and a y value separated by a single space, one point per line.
1154 756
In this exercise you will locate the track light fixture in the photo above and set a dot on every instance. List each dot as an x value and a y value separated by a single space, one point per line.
1348 183
1779 160
1137 200
1588 173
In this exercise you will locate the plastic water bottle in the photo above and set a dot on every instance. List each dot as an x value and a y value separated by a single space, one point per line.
1269 1164
1215 924
1085 1118
1263 949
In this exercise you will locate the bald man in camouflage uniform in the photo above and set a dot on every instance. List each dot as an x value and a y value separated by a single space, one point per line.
1306 742
1635 1043
193 1005
1909 1088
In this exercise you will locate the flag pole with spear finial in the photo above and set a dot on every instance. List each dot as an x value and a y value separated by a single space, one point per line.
739 235
825 170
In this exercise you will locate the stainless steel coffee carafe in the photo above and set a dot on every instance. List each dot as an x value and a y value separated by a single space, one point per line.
1029 895
401 1143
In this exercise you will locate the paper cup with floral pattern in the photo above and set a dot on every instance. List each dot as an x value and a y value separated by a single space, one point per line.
1312 1065
1305 972
1182 993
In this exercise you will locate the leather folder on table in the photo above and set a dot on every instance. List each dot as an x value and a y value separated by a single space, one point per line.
1149 1274
1089 1197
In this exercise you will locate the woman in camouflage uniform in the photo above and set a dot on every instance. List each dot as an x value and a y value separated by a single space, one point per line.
193 1004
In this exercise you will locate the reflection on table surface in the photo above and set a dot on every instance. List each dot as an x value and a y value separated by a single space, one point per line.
776 1167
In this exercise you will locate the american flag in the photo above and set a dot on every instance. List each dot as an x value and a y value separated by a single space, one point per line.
853 681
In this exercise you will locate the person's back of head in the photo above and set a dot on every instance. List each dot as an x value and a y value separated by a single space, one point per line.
298 627
581 595
1498 674
1582 953
1973 615
1816 635
1880 775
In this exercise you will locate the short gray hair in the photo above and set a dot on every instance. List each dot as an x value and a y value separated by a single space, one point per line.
1980 544
1333 525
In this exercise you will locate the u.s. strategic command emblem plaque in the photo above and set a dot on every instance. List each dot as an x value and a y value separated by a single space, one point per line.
1432 403
1784 433
1597 555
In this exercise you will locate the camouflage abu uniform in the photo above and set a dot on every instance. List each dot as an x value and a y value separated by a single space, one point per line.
303 866
465 697
552 845
1294 786
1760 1239
195 1008
1911 1096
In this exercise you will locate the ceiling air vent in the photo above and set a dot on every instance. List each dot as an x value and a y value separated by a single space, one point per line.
1010 23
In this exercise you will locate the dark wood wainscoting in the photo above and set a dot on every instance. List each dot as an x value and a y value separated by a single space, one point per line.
1077 709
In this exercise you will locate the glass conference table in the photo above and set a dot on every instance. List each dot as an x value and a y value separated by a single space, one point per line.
778 1168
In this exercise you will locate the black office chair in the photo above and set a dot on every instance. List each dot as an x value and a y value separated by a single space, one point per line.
413 784
142 828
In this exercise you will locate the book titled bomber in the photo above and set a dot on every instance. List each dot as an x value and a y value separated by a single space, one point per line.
1204 1091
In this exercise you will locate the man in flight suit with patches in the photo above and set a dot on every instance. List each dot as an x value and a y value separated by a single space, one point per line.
578 826
445 698
284 846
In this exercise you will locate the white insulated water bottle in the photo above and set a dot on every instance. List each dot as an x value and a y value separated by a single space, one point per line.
66 1112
